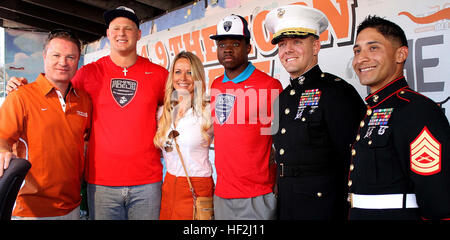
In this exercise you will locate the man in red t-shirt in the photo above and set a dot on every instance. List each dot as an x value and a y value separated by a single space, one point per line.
241 108
124 169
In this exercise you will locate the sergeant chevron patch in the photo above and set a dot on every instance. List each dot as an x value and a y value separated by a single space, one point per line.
425 154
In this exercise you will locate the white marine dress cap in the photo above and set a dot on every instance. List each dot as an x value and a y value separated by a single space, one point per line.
295 20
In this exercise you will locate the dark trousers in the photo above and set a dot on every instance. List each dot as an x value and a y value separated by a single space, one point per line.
311 198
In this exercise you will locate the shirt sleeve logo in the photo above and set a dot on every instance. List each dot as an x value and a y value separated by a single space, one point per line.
224 105
123 90
425 154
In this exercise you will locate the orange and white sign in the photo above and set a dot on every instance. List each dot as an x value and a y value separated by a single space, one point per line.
425 154
426 25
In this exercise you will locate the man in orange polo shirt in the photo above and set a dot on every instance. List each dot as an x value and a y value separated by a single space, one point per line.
50 120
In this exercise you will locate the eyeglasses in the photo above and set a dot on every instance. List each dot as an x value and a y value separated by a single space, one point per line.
168 146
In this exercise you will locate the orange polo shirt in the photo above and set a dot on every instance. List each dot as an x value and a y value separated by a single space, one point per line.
53 140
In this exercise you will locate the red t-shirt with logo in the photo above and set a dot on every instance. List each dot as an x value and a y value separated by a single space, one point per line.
121 150
242 142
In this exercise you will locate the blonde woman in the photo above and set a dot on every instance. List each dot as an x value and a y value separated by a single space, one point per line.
187 115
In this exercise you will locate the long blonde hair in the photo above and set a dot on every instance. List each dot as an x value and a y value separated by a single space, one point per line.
200 103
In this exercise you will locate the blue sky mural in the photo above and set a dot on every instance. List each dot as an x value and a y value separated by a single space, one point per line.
23 54
175 18
2 60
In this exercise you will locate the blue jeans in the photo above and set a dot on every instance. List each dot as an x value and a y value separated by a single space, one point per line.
141 202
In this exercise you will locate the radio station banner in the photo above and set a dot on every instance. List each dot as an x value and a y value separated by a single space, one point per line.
426 24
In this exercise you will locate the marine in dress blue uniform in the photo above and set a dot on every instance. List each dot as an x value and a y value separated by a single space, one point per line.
401 155
319 114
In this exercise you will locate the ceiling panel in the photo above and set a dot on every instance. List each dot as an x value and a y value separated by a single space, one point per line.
84 17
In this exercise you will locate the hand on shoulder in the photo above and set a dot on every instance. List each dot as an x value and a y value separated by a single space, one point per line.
14 83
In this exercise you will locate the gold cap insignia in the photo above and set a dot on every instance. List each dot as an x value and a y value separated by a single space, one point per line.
280 12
